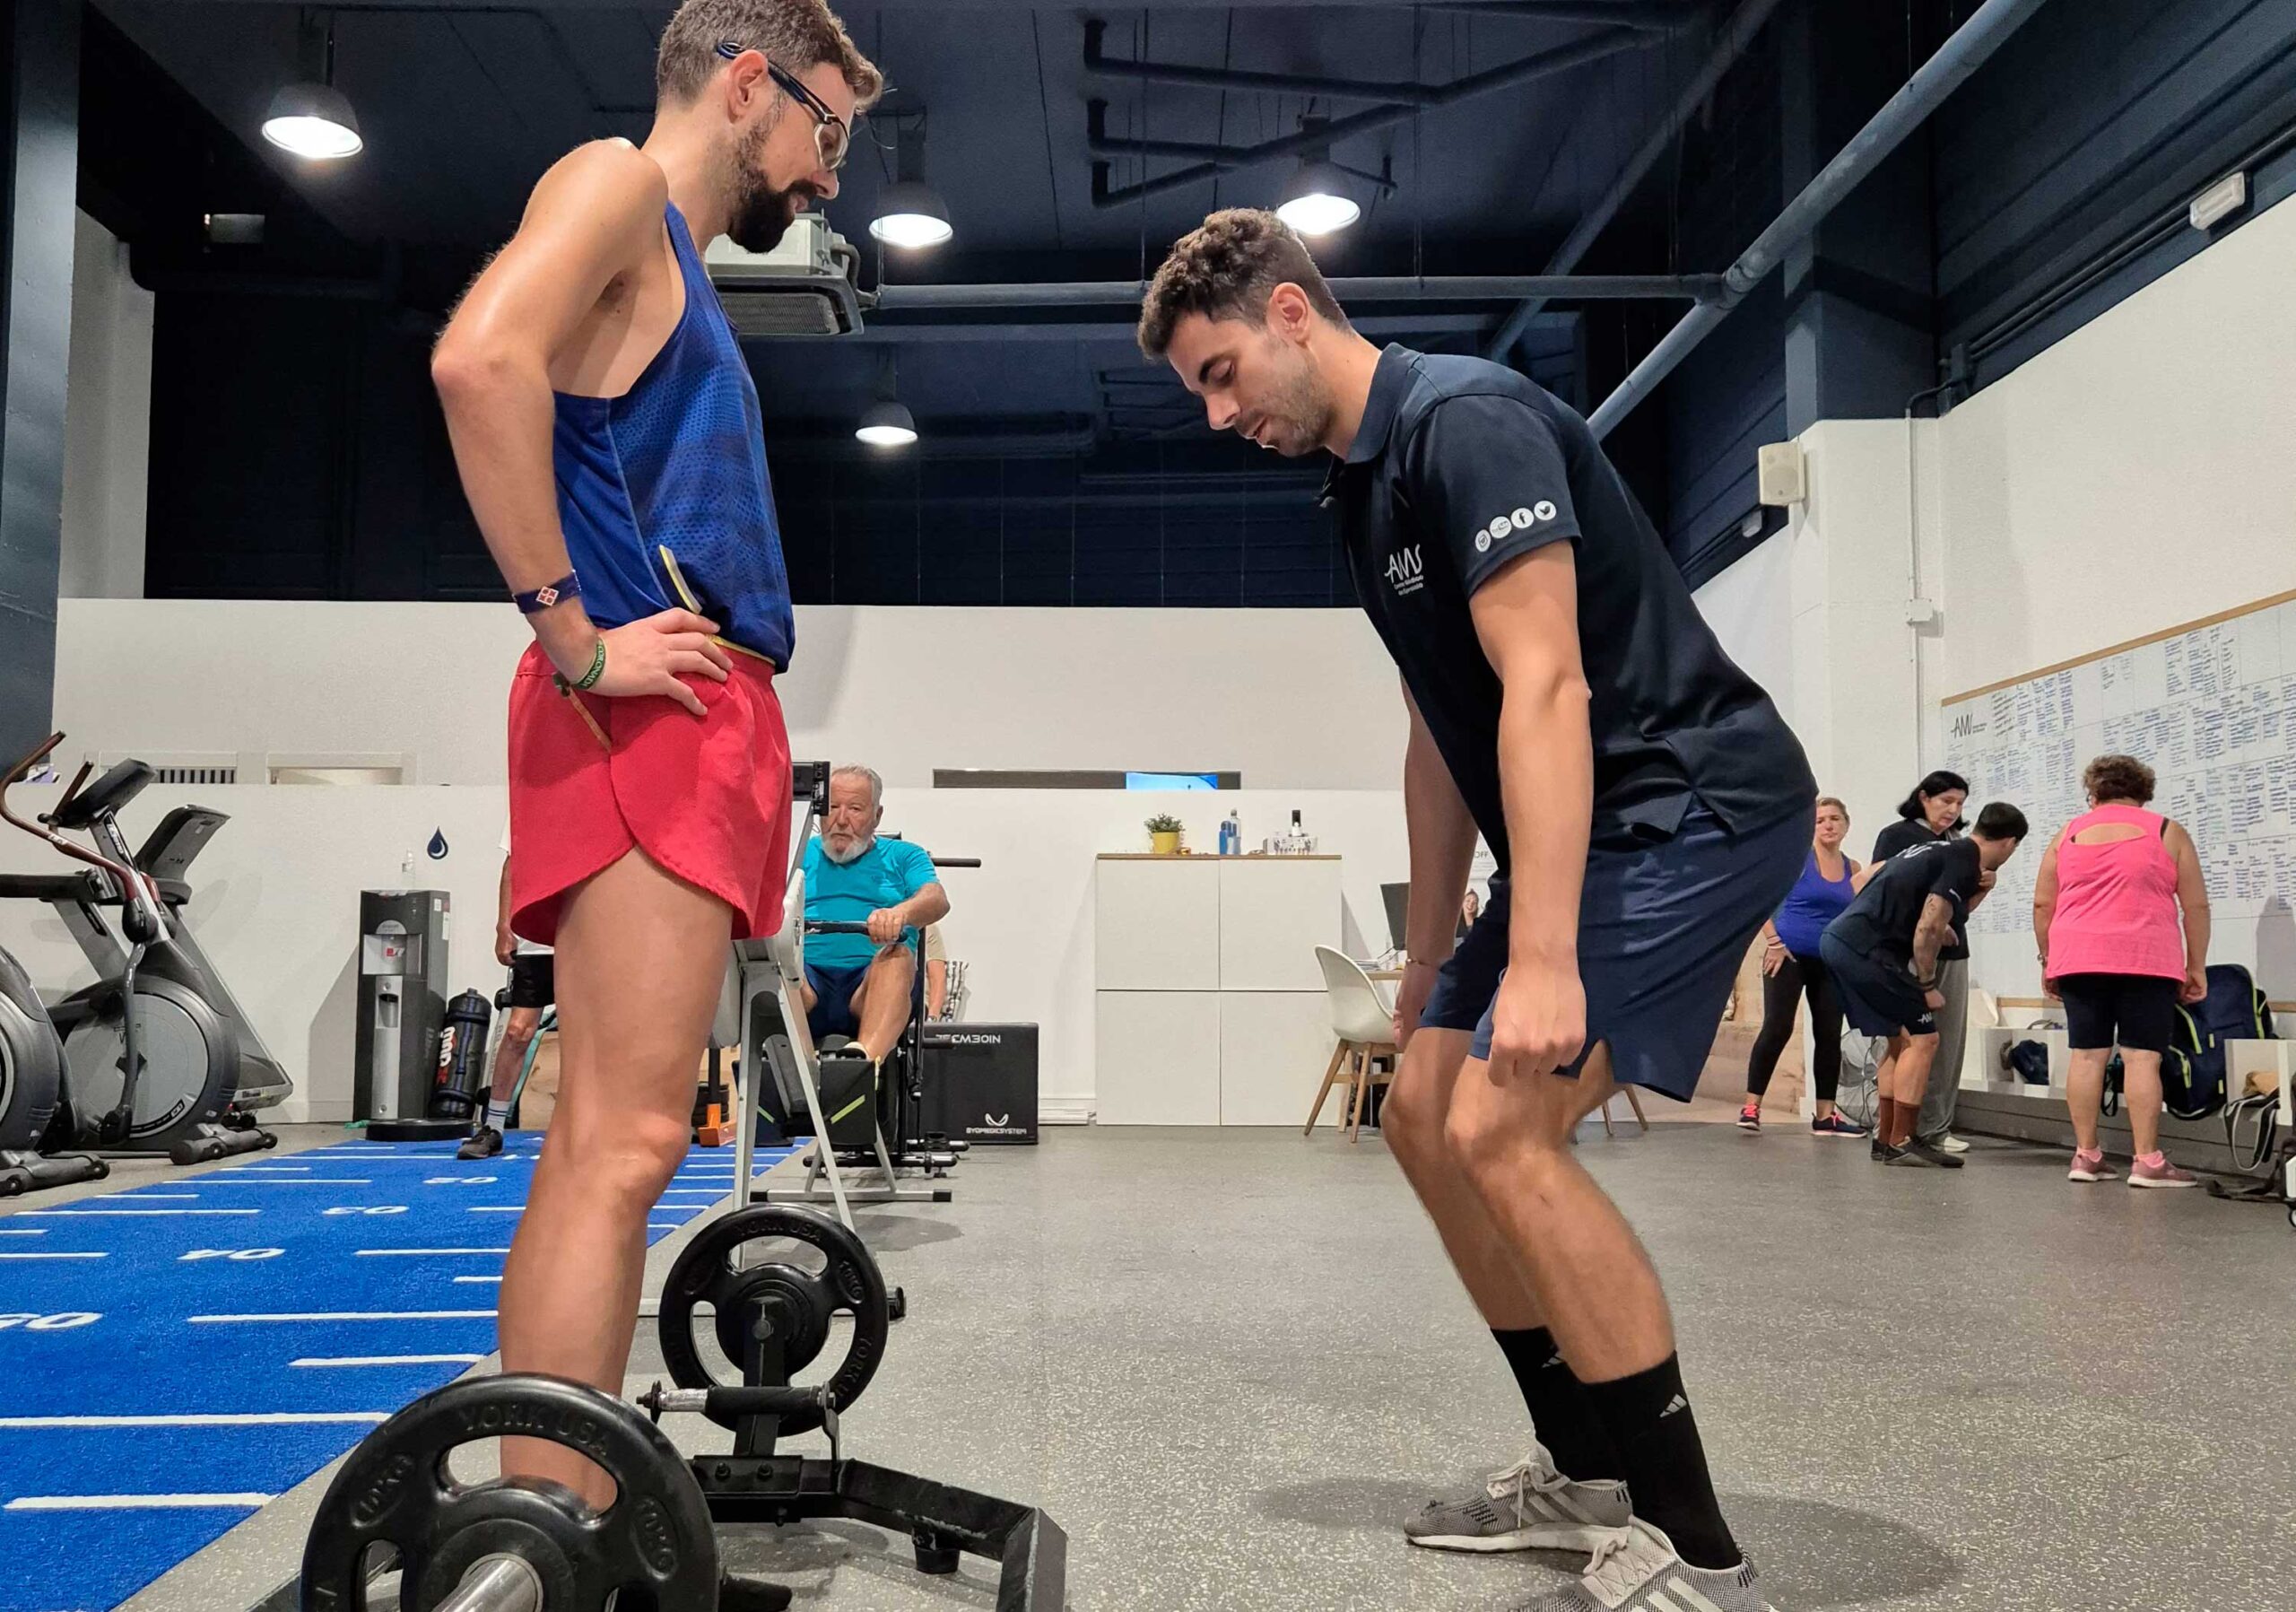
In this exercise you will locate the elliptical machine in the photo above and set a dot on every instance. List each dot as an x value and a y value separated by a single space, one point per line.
157 1057
31 1081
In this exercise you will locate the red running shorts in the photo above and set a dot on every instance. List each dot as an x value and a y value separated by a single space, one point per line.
706 797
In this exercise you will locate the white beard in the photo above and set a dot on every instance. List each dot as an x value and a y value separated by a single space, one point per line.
854 850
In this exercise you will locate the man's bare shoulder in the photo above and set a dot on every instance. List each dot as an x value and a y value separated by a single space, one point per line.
610 180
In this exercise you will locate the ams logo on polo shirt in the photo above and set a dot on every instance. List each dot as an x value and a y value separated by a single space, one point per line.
1521 520
1405 572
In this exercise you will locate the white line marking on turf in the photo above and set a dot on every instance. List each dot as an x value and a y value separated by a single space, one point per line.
24 1231
350 1315
54 1256
91 1214
264 1419
478 1279
239 1179
136 1503
143 1198
378 1253
344 1360
497 1209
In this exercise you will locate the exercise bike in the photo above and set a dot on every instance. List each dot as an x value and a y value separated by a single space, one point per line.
157 1058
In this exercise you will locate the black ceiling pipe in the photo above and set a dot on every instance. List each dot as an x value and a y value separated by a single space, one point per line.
1400 288
1546 63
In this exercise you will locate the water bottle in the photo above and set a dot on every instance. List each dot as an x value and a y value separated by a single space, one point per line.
1231 836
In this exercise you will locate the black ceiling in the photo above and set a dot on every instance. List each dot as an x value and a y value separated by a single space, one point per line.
463 105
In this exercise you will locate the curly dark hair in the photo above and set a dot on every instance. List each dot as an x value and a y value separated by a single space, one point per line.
796 35
2118 778
1225 269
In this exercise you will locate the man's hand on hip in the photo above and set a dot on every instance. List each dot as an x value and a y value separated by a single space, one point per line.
1538 1024
647 657
886 924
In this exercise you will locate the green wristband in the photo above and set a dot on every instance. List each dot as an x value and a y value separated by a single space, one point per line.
590 679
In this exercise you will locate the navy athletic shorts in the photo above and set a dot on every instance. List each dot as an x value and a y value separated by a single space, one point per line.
1878 997
1662 931
832 1013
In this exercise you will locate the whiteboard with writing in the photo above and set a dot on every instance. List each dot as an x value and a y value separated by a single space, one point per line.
2212 708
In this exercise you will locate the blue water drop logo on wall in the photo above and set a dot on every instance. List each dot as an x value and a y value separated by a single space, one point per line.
438 846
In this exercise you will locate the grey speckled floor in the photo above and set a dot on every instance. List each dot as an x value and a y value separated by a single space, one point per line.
1228 1362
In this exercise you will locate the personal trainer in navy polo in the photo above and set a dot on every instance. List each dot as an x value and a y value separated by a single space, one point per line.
856 985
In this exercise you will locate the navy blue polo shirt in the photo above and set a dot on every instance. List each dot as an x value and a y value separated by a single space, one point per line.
1461 466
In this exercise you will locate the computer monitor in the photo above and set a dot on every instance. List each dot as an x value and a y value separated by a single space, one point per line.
1398 900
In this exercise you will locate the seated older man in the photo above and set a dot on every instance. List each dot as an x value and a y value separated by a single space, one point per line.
858 986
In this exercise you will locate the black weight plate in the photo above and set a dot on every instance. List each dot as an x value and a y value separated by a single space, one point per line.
803 1300
654 1545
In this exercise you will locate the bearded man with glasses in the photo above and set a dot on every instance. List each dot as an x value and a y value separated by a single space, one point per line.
610 442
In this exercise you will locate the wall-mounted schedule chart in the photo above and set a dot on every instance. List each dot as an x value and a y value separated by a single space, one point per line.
2211 707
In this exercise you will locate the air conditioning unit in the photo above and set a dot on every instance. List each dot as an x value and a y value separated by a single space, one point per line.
809 285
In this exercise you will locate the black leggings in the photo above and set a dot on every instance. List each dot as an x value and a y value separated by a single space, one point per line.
1782 993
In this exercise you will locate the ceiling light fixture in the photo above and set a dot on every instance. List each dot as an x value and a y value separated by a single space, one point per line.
887 422
315 120
910 213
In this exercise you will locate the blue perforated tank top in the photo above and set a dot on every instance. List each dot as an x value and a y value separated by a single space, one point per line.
663 491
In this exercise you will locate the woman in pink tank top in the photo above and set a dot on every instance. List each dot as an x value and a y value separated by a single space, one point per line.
2121 915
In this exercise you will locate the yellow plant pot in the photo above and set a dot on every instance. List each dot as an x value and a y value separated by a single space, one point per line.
1165 845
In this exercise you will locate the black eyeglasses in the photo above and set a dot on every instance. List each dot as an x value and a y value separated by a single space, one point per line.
830 133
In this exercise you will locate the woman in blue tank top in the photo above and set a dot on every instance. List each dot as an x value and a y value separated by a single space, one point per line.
1791 970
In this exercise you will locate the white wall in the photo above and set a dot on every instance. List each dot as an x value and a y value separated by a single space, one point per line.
1292 699
2136 475
2139 473
108 421
276 898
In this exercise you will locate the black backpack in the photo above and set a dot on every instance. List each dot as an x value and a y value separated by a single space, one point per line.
2192 1073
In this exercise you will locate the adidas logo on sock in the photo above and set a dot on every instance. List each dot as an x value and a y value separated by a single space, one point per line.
1673 1405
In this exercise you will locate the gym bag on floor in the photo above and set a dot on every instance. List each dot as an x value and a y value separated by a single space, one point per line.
2192 1073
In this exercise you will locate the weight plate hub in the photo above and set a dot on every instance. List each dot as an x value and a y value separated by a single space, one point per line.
796 1303
653 1546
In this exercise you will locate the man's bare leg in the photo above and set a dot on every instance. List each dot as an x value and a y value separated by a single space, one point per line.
641 955
519 1027
1594 1284
880 1002
1913 1078
1885 1087
1585 1268
1412 1121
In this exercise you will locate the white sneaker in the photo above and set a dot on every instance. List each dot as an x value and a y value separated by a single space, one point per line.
1638 1571
1529 1506
1952 1143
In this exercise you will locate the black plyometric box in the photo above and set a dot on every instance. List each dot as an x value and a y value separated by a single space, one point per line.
980 1082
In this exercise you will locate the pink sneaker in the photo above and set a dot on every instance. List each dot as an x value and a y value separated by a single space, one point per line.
2161 1173
2091 1167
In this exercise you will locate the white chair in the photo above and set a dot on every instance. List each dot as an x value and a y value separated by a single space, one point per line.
1365 1026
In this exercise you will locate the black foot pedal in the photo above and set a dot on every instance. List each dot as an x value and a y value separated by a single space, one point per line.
932 1556
751 1595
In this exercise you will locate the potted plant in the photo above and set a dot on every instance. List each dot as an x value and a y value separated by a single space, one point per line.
1164 834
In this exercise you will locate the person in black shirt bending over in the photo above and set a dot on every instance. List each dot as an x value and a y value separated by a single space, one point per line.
1883 951
1647 809
1933 812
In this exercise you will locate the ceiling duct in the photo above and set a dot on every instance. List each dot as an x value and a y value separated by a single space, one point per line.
809 285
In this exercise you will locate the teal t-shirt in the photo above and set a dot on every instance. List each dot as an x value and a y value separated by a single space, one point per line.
885 874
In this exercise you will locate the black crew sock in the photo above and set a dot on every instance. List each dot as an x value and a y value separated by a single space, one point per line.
1561 1412
1649 1419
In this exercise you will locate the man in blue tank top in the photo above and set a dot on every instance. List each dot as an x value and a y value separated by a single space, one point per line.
1648 808
610 443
